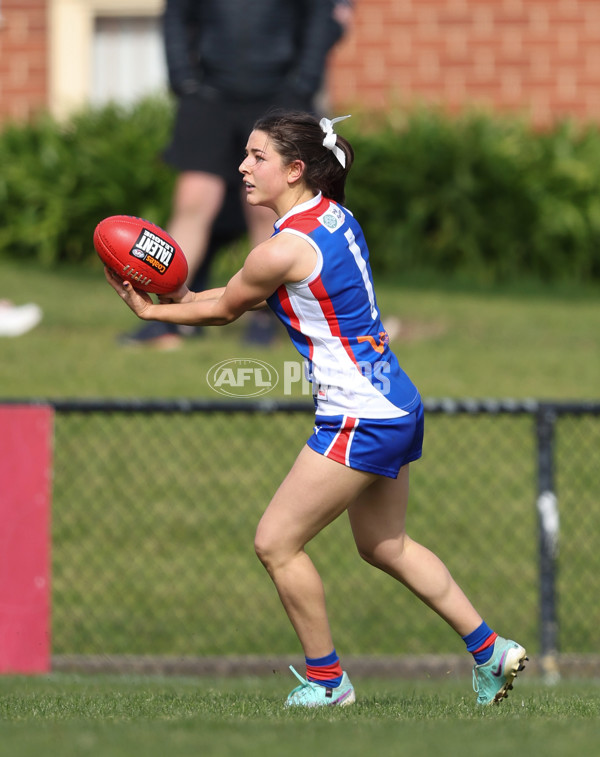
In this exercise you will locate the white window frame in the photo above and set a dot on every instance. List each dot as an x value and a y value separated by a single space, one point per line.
71 30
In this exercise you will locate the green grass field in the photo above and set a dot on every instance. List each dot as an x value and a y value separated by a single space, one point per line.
121 716
542 343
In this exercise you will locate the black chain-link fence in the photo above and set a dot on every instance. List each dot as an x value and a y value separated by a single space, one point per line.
155 506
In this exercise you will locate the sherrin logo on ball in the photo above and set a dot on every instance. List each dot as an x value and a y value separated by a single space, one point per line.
142 252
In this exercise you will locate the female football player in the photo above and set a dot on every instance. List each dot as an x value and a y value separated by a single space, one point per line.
314 273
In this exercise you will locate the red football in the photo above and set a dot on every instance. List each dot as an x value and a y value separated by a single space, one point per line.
142 252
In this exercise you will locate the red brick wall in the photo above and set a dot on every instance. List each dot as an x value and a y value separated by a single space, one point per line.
23 58
535 57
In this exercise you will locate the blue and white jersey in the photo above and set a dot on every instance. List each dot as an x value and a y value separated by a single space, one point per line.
333 319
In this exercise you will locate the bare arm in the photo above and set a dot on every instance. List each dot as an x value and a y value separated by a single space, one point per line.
281 259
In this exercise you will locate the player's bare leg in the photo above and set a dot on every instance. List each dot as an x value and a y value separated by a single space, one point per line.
315 492
378 518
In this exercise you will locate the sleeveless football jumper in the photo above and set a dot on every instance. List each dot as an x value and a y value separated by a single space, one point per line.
334 322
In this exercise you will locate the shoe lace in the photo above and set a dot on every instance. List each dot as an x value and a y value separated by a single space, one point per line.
298 676
303 681
304 684
475 680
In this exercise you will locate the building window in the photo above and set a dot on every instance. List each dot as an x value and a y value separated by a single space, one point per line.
128 60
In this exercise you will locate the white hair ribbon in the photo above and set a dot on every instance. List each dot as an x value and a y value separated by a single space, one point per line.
331 138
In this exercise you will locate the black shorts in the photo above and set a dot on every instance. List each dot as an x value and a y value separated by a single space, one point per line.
210 134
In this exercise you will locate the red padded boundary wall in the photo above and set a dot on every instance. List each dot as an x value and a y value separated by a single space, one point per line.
25 484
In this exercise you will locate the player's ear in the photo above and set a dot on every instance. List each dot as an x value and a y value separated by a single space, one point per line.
296 171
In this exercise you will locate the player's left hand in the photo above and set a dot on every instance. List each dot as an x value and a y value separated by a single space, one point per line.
135 299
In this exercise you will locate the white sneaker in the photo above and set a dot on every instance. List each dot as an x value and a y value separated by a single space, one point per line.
18 320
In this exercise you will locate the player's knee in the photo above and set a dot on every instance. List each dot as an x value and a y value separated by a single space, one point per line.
272 550
265 549
369 555
382 555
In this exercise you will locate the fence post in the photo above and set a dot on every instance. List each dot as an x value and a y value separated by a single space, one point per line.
548 520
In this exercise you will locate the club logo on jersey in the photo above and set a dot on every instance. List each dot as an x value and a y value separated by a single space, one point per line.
332 218
155 251
242 377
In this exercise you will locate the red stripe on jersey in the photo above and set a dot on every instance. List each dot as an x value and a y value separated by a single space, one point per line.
286 305
338 448
324 300
305 225
309 220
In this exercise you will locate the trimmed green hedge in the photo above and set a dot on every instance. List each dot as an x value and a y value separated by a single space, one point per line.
58 180
477 196
474 196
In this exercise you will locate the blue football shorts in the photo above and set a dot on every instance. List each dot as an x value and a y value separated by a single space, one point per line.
380 446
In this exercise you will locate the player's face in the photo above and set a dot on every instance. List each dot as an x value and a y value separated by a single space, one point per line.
264 175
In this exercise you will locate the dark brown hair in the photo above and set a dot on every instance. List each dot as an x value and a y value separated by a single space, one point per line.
298 136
